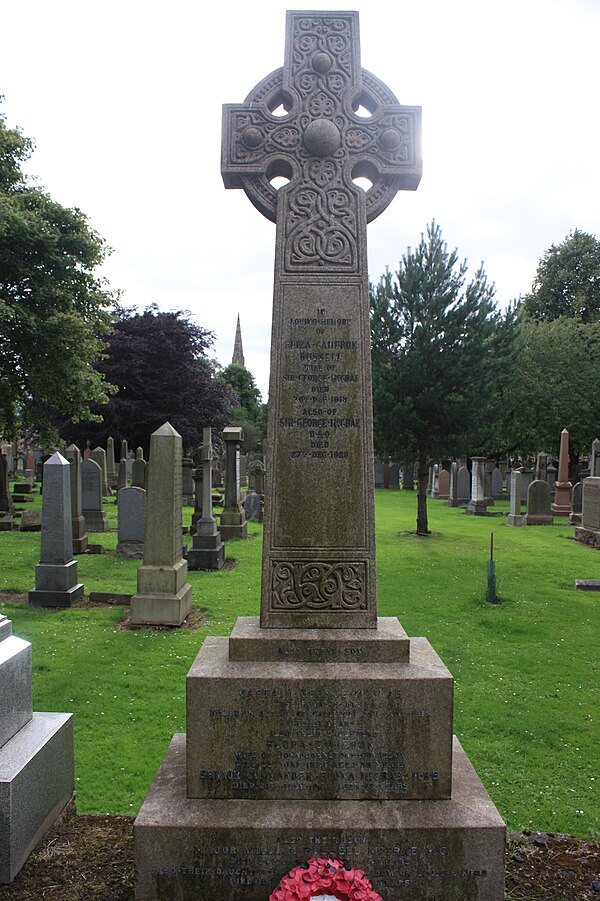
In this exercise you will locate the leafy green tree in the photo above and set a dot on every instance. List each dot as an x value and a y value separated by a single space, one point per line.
567 282
430 332
553 385
55 313
159 364
249 412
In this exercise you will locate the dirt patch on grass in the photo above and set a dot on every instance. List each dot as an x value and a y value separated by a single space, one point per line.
90 858
196 619
12 596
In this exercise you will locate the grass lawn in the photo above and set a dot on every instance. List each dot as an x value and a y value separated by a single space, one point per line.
526 670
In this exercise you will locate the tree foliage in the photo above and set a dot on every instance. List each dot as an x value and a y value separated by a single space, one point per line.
431 331
158 362
249 412
54 312
567 282
554 385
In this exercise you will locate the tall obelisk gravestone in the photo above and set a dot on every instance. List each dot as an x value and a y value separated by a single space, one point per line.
316 731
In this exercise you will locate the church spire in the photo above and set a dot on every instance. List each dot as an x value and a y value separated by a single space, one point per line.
238 350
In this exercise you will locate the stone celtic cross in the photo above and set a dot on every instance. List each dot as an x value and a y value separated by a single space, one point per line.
319 545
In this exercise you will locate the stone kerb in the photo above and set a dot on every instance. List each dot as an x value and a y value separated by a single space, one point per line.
164 595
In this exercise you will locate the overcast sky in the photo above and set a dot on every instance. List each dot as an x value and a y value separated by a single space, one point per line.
123 99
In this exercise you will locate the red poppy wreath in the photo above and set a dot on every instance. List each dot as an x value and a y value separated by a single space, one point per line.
320 877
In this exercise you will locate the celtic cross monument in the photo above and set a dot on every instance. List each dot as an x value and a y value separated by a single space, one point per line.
319 731
319 549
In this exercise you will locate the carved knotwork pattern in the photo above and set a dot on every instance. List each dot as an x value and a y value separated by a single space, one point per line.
321 226
303 585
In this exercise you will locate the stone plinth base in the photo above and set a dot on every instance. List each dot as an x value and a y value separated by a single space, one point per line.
269 729
42 598
238 850
476 508
514 519
36 784
161 609
533 519
237 530
132 549
208 552
591 537
388 643
95 521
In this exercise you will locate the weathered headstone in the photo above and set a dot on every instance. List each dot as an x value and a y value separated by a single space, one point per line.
576 505
111 465
541 467
595 458
187 481
408 477
208 550
452 497
394 477
131 523
6 502
36 758
497 484
99 456
561 505
91 497
31 521
198 483
56 574
164 595
286 683
514 517
589 531
487 483
80 540
435 482
138 472
477 505
253 507
256 477
443 485
551 476
124 452
122 478
527 476
233 519
378 470
539 502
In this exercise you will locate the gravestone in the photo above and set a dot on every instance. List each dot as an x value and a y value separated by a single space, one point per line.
187 481
443 485
6 502
541 467
561 506
539 512
477 504
124 452
91 497
527 476
198 483
36 758
514 517
394 477
576 504
164 595
80 540
452 496
256 477
253 507
589 531
378 470
291 750
595 458
56 574
138 473
131 523
99 456
551 476
233 519
31 521
487 483
207 551
111 465
408 477
122 477
497 484
435 482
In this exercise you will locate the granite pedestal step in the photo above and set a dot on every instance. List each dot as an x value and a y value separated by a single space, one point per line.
238 850
36 784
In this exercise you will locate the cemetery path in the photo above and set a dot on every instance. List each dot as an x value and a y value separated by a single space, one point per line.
90 858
